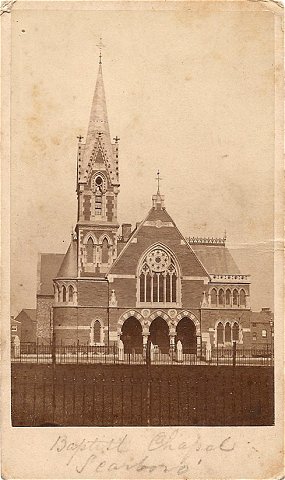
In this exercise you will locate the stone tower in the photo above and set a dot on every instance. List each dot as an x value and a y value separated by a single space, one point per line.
97 191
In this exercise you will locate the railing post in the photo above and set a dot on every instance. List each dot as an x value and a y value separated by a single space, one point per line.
234 353
217 354
148 380
37 350
77 351
53 357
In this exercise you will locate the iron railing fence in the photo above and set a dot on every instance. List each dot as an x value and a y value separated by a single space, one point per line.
68 395
101 354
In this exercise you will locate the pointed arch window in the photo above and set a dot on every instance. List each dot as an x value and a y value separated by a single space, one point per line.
70 293
220 333
242 298
64 293
98 200
96 332
214 297
89 250
235 297
158 278
235 332
228 297
228 333
105 251
221 297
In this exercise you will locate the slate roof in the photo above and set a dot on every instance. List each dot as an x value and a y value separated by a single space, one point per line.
26 314
264 316
31 312
68 268
49 265
147 234
216 259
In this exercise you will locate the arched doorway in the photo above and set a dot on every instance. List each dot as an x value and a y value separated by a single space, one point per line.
159 334
186 333
132 336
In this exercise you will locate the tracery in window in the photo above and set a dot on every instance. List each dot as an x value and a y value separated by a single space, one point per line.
158 278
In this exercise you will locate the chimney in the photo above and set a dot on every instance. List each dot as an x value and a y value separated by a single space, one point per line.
265 309
126 231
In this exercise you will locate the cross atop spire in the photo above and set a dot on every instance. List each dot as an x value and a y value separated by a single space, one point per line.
158 199
100 45
158 179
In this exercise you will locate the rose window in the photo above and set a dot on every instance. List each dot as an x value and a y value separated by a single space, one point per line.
158 278
158 260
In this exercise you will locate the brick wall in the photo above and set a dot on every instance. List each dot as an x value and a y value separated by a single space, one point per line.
44 306
93 293
211 317
72 319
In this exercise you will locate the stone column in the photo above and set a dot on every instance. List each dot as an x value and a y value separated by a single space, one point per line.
179 357
172 335
145 337
121 350
198 338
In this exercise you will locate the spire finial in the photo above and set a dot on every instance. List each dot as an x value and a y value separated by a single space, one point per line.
158 179
100 46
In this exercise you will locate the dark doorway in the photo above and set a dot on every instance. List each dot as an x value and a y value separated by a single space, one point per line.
186 333
159 334
132 336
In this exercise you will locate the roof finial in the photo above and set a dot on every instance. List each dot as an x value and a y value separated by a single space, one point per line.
100 46
158 179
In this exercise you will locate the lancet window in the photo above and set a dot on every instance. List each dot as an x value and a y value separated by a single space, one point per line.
89 250
105 251
98 185
158 278
228 333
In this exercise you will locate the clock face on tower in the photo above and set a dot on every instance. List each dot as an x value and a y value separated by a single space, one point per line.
158 260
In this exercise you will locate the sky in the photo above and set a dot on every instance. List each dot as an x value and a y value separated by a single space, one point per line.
188 93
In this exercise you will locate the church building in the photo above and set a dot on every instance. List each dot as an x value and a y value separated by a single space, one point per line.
134 284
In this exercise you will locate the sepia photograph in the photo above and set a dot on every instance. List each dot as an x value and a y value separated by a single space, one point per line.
142 219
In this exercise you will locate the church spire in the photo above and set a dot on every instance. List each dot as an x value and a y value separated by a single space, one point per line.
98 133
